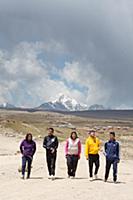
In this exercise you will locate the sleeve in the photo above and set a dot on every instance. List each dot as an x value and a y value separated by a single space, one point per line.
99 144
66 147
79 148
45 143
105 149
34 150
56 143
86 149
118 151
21 147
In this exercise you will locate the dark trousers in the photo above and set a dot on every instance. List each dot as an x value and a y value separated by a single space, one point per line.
93 159
108 166
26 160
51 160
72 162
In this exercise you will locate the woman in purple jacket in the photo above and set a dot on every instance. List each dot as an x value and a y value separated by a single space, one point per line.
28 149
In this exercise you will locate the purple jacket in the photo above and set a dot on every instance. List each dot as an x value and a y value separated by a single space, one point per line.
28 148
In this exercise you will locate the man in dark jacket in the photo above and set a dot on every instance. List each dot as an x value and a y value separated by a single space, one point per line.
50 143
28 149
112 156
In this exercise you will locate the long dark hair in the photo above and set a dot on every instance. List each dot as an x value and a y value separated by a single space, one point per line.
27 135
74 132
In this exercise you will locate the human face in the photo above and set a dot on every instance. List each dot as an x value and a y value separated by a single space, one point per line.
50 131
29 137
74 136
112 137
93 134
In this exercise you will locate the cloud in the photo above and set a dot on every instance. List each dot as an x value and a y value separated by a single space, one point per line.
26 80
81 47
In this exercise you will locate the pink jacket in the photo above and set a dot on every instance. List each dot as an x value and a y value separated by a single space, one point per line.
73 147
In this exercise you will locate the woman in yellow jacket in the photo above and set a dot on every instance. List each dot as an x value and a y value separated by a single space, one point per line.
92 147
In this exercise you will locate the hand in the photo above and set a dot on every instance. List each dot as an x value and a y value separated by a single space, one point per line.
52 150
66 156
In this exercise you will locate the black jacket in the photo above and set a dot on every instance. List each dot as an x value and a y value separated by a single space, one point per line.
50 143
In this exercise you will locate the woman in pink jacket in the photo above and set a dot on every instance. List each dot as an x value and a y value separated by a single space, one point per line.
72 153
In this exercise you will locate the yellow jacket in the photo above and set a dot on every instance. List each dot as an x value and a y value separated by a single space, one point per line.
92 146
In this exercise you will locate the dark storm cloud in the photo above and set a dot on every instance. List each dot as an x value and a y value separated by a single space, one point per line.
96 32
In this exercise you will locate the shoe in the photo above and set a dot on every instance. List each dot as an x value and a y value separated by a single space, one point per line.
28 177
68 176
53 177
72 177
91 178
22 177
105 180
49 177
96 176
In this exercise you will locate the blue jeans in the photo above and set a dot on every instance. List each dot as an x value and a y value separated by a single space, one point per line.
26 160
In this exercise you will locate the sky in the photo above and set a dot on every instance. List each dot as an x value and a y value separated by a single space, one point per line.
81 48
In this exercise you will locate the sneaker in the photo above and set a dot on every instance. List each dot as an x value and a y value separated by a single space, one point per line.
22 177
96 177
72 177
91 178
49 177
53 177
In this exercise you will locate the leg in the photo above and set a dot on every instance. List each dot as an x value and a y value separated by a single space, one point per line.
48 158
115 164
69 165
53 161
29 166
91 165
97 164
23 165
108 165
75 163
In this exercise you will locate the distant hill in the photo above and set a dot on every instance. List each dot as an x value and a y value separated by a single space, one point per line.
97 107
7 106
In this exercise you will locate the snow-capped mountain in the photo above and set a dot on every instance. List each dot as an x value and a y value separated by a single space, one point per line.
6 105
63 103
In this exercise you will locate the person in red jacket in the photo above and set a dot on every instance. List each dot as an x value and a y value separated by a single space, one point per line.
72 153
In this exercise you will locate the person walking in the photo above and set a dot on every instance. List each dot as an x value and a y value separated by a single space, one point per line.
112 156
50 143
92 147
72 153
28 149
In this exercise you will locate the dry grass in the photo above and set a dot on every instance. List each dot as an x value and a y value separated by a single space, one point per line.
37 123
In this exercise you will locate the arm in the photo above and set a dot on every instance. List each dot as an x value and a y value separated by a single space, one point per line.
21 147
34 148
56 143
79 148
105 148
45 143
118 151
99 145
66 148
86 149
